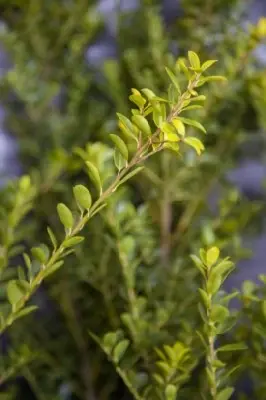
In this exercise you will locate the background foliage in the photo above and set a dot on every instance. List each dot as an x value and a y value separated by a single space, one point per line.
57 103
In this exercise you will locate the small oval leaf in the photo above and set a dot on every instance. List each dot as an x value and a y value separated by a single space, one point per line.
94 176
193 123
225 394
73 241
120 350
65 215
39 254
194 60
121 146
212 256
82 196
14 292
142 124
195 143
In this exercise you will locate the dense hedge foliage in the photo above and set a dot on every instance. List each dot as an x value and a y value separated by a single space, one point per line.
119 310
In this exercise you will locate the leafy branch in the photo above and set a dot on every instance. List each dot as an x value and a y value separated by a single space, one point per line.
216 320
166 129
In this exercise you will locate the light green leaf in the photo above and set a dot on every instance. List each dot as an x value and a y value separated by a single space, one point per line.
180 127
94 176
130 175
119 161
225 394
173 79
164 367
138 100
170 392
204 297
223 268
148 93
121 146
50 270
214 78
193 123
159 380
170 352
39 254
212 256
65 215
194 60
195 143
192 107
120 350
203 255
198 264
219 313
27 261
52 237
15 292
24 183
159 114
25 311
203 341
201 97
73 241
127 127
142 124
232 347
218 363
82 196
214 284
109 341
207 64
167 128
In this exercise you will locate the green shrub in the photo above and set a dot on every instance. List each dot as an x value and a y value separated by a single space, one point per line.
128 290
